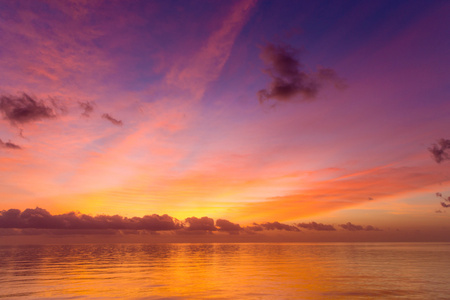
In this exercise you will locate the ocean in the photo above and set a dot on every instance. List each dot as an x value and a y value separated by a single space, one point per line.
226 271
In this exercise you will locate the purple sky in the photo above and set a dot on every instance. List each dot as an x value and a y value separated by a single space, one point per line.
243 111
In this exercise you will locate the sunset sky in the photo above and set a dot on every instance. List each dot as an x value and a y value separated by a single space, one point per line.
241 111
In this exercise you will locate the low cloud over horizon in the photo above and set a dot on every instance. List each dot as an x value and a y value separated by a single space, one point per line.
39 218
352 227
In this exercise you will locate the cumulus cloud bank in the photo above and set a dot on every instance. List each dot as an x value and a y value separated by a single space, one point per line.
40 221
41 218
289 80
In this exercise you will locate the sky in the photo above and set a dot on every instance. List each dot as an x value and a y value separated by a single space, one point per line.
302 120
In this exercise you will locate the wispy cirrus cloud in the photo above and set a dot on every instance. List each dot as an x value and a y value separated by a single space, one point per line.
329 195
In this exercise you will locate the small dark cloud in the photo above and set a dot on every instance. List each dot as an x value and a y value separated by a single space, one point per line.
352 227
439 211
40 218
87 108
446 202
370 198
23 109
439 150
446 199
277 226
225 225
9 145
316 226
289 81
112 120
203 223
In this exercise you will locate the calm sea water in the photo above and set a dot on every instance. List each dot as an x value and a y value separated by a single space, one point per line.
227 271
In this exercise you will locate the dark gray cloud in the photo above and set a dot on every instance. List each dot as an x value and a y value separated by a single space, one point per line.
272 226
330 75
371 228
87 107
439 150
9 145
289 81
316 226
352 227
112 120
254 227
203 223
225 225
41 219
23 109
446 202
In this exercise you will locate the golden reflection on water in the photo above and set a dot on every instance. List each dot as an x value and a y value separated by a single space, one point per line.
226 271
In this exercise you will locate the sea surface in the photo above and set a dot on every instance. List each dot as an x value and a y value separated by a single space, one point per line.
226 271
